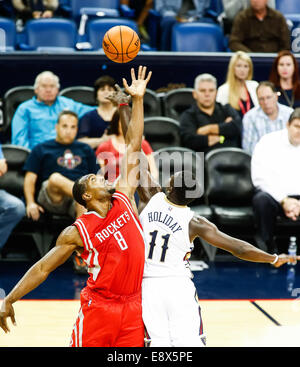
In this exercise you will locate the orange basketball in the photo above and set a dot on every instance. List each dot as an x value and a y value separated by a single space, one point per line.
121 44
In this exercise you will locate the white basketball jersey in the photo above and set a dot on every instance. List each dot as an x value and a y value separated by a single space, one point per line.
166 233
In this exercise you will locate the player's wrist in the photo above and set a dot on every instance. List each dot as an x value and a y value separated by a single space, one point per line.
276 257
123 104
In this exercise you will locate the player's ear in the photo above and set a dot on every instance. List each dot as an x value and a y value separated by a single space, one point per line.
86 196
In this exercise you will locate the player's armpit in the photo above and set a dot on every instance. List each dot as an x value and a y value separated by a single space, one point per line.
68 242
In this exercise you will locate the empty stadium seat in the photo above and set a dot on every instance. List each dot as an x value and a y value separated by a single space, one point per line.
80 93
7 35
229 186
197 37
229 191
102 8
161 132
53 34
152 105
13 182
97 28
11 100
176 101
288 7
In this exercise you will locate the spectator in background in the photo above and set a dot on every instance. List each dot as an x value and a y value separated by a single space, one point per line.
267 117
173 11
35 9
259 29
54 165
233 7
110 153
141 8
285 75
93 125
12 209
276 176
239 90
208 124
34 120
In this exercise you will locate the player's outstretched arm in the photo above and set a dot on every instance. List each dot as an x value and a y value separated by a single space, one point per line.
68 242
201 227
133 138
121 101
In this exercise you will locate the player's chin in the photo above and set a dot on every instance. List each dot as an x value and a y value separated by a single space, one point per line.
111 190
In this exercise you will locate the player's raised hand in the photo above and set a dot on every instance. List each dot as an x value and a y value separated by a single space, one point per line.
118 96
6 311
283 259
139 84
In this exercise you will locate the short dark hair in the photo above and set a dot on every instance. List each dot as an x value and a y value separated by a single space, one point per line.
67 112
103 81
78 190
294 115
184 182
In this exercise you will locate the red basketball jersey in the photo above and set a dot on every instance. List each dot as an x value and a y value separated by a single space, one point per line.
114 248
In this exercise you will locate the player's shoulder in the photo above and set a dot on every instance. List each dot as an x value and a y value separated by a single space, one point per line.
200 222
70 236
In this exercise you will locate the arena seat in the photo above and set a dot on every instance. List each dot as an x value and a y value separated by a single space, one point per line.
161 132
11 100
53 34
152 103
229 186
288 7
197 37
7 35
176 101
80 93
101 8
13 182
97 28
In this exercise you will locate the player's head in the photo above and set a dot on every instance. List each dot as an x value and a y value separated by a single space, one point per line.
183 188
91 187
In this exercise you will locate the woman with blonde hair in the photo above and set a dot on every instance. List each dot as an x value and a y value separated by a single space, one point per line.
239 90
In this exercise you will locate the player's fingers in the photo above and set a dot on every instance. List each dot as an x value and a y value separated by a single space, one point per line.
133 74
125 83
118 88
13 320
143 72
41 209
140 70
148 76
3 325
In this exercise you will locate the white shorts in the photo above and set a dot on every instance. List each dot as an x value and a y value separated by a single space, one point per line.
171 312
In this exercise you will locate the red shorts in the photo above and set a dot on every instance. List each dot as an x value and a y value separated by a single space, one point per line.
108 322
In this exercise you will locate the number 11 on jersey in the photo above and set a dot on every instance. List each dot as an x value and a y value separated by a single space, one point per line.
153 244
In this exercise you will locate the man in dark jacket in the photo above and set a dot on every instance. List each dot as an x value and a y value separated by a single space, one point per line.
207 124
259 29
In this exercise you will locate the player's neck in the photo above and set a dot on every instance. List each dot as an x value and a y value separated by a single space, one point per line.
100 207
173 202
